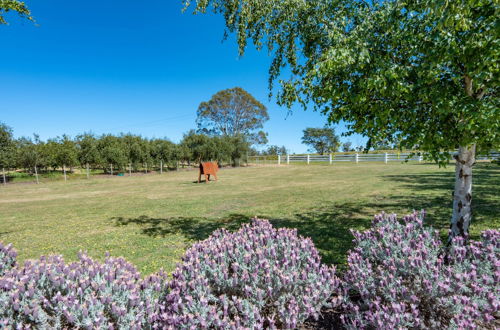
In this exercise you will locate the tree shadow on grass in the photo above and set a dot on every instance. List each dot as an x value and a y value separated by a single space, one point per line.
193 228
4 233
434 192
329 225
329 228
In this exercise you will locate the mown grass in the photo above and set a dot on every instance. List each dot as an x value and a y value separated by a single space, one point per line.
152 219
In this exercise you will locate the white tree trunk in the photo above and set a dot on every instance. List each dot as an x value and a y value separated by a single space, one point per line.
88 172
462 196
64 170
36 175
4 179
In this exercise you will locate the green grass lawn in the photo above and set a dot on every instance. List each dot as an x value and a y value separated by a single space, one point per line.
151 220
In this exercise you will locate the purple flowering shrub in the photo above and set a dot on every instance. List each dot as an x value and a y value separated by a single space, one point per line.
48 293
400 277
7 258
256 277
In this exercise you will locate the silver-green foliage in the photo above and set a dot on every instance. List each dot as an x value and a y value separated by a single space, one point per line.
50 294
258 277
401 276
7 258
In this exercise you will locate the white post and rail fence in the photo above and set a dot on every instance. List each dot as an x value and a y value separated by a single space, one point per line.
387 157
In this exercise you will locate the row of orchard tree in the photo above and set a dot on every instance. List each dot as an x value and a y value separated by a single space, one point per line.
116 152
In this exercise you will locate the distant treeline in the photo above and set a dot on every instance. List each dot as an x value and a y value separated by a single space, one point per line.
119 151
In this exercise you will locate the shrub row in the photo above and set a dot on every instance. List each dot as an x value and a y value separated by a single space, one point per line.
399 276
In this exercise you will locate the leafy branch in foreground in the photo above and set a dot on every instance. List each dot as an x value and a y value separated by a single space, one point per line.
14 5
419 73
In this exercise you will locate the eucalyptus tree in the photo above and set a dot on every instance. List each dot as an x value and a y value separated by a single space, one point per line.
15 6
420 72
232 112
275 150
322 140
347 146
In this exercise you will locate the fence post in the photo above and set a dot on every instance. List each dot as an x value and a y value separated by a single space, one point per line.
385 157
331 159
36 175
161 166
88 173
129 169
398 155
111 169
356 158
308 159
288 159
64 170
279 159
3 174
146 169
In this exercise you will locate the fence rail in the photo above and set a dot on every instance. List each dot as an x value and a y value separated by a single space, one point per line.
352 158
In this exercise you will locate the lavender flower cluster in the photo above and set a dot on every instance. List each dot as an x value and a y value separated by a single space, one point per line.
7 258
401 276
256 277
48 293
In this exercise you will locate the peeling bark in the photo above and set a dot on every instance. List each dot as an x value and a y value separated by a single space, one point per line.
462 197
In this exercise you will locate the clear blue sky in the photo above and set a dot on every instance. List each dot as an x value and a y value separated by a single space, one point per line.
128 66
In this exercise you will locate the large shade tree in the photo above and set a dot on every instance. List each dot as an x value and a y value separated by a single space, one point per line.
233 112
321 140
423 73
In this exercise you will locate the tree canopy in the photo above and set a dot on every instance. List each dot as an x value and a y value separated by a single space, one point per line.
15 6
6 146
274 150
423 72
233 112
419 73
321 140
347 146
